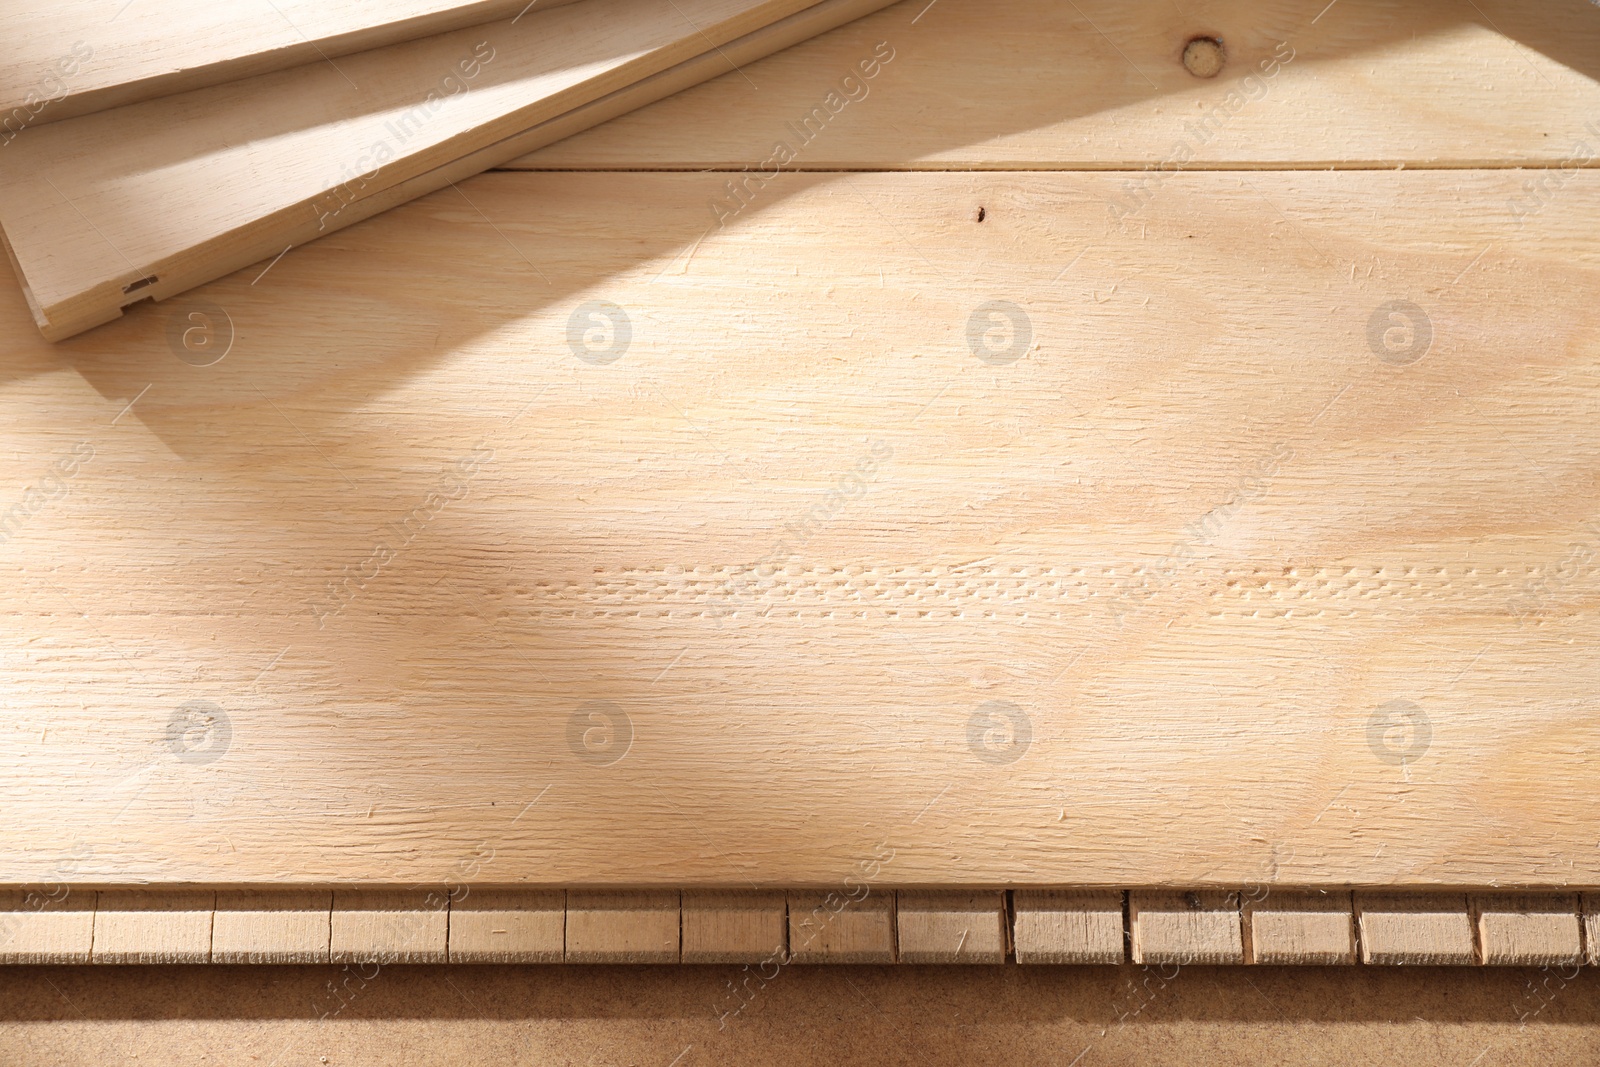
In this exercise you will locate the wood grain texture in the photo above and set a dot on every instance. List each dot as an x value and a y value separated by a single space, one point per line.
1198 926
623 927
1427 929
255 180
938 926
1068 926
153 926
842 926
271 926
1591 928
1301 927
383 926
800 588
1528 930
1371 83
735 926
509 926
69 59
53 924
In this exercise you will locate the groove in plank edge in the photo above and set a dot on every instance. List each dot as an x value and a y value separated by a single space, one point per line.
1432 929
389 926
46 925
153 926
738 926
272 926
1202 926
951 926
1069 926
509 926
627 926
839 927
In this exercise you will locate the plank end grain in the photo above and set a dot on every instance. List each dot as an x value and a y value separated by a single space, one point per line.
1528 929
1302 927
738 926
936 926
1415 928
153 926
509 926
1069 926
46 927
634 926
835 927
1201 926
271 926
389 926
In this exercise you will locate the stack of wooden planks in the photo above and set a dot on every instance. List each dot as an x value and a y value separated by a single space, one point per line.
1026 502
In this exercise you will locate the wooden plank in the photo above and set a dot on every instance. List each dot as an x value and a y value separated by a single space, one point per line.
937 926
1415 928
1106 89
63 60
1301 927
1591 927
854 925
1200 926
623 927
152 926
389 926
271 926
1073 926
735 926
254 182
1528 929
46 924
570 536
509 926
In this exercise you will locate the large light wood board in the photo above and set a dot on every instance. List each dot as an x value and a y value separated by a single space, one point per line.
71 58
1237 573
146 201
1041 84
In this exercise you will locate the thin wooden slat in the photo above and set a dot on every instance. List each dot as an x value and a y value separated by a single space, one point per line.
1121 99
1264 660
735 926
153 926
509 926
1301 927
1591 928
1528 929
255 183
637 926
389 926
46 924
63 60
842 926
1074 926
271 926
1185 927
936 926
1415 928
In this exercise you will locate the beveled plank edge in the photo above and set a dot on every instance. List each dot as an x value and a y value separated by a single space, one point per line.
20 905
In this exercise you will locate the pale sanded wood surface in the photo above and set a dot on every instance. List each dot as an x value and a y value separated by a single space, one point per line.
267 162
508 926
65 59
1008 84
1068 926
1184 927
272 926
1529 930
735 926
46 925
623 927
389 926
153 926
801 575
1591 928
1300 927
941 926
847 925
1415 928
